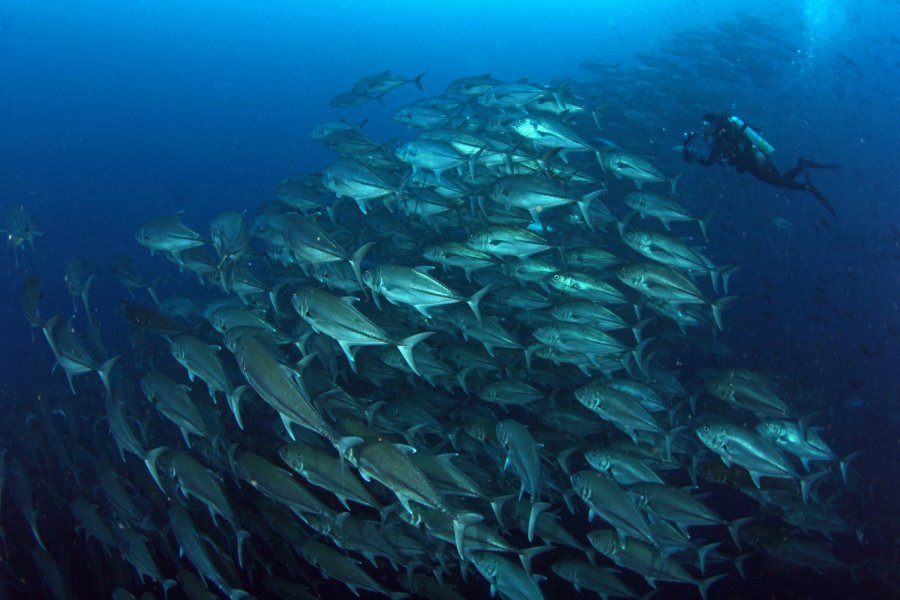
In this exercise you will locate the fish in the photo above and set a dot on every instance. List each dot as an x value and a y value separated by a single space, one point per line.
472 85
584 575
522 455
348 178
536 195
277 484
662 283
512 95
622 410
71 355
173 401
416 287
389 464
666 209
280 386
743 447
197 552
548 132
625 469
202 360
646 560
605 498
229 236
310 244
384 82
639 170
168 235
128 275
339 320
458 254
23 497
20 229
325 471
505 577
507 241
432 155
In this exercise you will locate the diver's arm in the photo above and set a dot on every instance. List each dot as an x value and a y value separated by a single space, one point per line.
690 155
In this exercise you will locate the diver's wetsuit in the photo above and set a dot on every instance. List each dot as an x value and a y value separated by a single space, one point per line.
731 145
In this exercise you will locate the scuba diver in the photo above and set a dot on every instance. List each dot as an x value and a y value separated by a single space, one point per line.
734 142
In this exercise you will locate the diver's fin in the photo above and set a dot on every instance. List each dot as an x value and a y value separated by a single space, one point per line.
822 199
813 165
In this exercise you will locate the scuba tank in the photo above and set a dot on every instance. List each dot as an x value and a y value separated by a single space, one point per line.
755 139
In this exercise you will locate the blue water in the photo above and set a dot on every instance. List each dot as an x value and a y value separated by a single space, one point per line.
113 113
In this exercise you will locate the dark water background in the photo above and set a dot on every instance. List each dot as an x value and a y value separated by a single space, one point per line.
112 113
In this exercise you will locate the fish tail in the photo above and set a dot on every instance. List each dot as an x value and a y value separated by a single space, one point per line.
104 372
234 403
150 461
717 307
152 287
674 182
356 264
32 522
845 462
460 523
703 586
807 482
734 529
476 298
704 223
406 346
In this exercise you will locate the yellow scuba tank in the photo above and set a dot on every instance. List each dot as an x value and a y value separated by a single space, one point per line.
755 139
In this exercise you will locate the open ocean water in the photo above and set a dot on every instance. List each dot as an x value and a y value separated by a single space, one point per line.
116 116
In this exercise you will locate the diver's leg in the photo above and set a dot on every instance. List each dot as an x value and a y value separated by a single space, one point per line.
803 163
792 173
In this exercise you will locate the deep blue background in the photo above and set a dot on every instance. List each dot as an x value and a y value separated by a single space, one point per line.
111 115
